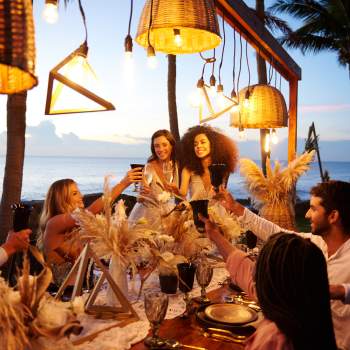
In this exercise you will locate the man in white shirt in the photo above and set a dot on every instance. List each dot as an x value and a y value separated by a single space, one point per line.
329 217
15 241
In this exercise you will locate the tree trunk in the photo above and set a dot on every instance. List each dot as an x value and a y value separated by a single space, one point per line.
262 79
174 126
12 184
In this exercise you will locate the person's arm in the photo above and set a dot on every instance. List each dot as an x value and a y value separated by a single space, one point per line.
15 241
133 175
238 264
340 292
185 181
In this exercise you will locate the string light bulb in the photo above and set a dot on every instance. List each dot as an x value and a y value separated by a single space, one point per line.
152 61
212 83
274 137
234 98
197 96
128 47
177 37
241 133
246 99
267 143
50 12
221 100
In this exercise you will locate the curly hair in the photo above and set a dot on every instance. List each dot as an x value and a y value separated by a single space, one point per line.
222 149
335 195
293 291
169 136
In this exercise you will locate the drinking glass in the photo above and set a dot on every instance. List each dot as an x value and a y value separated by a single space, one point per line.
156 305
186 279
217 173
199 207
204 274
148 174
168 171
133 166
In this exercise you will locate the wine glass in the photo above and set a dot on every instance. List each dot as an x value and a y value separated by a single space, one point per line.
148 174
156 305
199 207
204 274
168 171
186 279
133 166
217 173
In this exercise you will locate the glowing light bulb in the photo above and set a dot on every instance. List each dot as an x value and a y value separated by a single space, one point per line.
152 61
50 12
241 133
177 38
267 143
246 99
212 89
274 137
128 47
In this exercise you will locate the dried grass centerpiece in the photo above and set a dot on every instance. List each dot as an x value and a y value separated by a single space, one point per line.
29 312
272 194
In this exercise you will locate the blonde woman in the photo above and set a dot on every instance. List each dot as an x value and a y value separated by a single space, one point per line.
57 232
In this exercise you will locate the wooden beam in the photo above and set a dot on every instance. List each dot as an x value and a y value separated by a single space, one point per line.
244 20
293 112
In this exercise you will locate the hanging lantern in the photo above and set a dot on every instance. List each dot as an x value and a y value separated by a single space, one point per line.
17 46
265 108
179 26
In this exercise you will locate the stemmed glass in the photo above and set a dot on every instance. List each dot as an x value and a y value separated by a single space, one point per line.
168 171
204 274
186 279
156 305
217 173
133 166
148 174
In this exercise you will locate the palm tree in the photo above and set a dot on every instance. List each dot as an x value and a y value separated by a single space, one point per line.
12 183
325 26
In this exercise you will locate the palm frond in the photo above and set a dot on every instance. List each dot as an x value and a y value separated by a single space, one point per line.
295 169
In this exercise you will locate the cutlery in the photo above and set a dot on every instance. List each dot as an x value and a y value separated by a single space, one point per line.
174 344
221 337
226 332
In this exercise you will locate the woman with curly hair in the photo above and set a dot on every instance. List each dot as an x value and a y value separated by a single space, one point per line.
160 172
202 146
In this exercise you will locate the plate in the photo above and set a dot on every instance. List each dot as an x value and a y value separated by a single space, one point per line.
230 313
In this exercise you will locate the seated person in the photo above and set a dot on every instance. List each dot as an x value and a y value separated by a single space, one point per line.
15 241
290 282
58 237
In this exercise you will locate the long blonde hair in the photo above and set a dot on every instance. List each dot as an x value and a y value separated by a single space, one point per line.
57 202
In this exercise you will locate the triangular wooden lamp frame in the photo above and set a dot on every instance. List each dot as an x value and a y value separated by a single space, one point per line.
124 311
213 114
55 75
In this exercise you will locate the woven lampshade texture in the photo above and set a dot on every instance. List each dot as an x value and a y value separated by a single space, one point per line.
196 20
17 46
267 108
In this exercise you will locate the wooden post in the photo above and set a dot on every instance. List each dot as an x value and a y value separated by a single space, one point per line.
292 130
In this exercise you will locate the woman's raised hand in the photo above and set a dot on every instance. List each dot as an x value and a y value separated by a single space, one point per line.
228 202
133 175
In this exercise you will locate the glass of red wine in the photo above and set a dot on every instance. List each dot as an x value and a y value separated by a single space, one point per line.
186 278
217 174
133 166
199 207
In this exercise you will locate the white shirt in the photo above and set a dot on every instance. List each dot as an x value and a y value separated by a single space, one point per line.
3 256
338 266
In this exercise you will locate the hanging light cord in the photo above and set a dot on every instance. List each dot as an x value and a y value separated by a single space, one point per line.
223 47
240 60
150 24
130 17
234 60
270 72
213 65
84 20
246 55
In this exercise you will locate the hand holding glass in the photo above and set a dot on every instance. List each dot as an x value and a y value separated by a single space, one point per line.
133 166
148 174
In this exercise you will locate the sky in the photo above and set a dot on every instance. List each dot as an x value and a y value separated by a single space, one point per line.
141 98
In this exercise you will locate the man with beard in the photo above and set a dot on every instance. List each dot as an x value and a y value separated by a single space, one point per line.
329 217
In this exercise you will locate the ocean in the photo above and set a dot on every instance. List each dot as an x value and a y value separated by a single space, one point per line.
40 172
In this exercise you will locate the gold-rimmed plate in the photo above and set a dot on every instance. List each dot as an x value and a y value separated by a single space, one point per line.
234 314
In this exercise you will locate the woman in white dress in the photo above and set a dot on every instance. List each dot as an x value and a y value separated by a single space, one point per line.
202 146
160 173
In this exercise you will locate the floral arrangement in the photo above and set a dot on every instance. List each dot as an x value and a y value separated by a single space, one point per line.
29 312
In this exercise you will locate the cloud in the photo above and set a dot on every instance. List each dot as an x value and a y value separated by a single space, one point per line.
42 140
324 108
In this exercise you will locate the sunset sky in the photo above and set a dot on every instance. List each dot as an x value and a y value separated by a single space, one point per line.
141 99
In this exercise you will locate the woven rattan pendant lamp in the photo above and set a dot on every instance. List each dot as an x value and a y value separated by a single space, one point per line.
179 26
17 46
260 106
